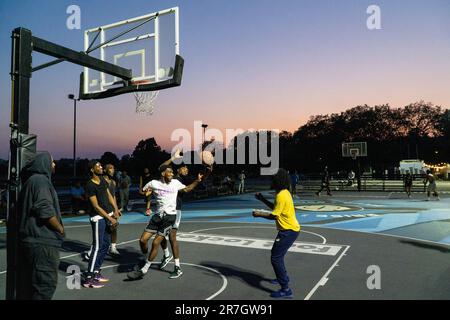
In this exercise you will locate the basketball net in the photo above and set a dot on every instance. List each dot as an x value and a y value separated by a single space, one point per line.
145 100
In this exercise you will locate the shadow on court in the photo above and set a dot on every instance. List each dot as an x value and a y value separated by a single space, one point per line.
424 245
251 278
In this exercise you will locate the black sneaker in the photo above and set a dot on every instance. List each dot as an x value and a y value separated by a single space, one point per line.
176 273
165 261
282 293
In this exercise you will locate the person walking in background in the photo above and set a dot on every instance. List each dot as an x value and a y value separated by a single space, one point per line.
41 232
351 178
143 180
325 182
294 182
408 182
432 188
78 198
124 190
241 178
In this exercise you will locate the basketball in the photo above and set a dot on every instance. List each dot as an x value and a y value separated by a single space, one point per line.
207 157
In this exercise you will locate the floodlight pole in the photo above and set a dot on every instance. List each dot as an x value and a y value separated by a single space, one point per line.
204 126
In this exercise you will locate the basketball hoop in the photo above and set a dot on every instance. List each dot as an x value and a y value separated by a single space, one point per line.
145 100
354 153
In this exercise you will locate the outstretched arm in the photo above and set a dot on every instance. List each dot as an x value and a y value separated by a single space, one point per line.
261 198
176 156
262 214
193 185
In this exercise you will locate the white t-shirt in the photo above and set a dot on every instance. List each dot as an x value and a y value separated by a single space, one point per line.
165 195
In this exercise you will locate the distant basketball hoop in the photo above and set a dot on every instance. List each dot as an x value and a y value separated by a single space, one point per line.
354 153
354 149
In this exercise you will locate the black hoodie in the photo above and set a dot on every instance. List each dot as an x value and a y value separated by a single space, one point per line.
38 202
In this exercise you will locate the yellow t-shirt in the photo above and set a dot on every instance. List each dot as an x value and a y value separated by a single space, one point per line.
284 212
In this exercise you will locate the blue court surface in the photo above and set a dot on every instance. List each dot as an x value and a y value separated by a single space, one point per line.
225 252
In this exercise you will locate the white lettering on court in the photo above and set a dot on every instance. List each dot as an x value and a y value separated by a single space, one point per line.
222 240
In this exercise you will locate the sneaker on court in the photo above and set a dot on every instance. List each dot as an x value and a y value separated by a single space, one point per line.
286 294
274 281
98 276
85 255
165 261
92 283
176 273
135 275
113 251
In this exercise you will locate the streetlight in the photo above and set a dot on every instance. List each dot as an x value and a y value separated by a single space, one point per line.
72 97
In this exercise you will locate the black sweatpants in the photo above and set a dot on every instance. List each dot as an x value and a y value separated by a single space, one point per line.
37 271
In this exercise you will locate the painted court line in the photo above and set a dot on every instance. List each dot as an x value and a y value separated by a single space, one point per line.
222 288
325 278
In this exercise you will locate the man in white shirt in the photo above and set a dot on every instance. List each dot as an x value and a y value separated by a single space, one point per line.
165 192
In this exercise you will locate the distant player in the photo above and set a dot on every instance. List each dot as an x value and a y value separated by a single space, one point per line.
408 182
143 180
431 180
325 183
165 191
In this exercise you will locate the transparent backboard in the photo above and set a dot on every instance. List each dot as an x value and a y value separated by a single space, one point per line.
352 149
148 45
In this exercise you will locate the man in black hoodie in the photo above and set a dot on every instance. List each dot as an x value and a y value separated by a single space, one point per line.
41 231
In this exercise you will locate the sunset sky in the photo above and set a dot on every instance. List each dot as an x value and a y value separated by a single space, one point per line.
250 64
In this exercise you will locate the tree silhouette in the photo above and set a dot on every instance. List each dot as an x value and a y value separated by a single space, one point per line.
109 158
148 154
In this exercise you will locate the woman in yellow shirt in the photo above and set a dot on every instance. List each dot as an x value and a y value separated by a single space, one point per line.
283 212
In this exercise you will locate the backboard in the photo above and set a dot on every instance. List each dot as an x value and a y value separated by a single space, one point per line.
354 149
148 45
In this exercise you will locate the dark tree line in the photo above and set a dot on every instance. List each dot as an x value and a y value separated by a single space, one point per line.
417 131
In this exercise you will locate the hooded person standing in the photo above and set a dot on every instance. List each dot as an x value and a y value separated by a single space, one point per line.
41 231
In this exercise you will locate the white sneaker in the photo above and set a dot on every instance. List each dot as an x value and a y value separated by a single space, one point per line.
114 251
